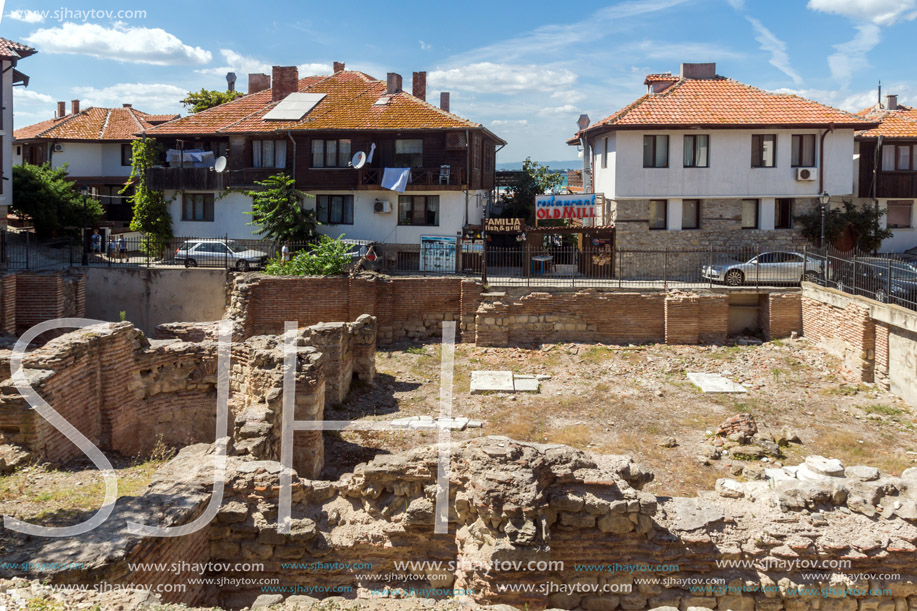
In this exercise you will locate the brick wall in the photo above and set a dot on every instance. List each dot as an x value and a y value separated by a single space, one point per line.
780 315
125 393
405 308
589 316
845 330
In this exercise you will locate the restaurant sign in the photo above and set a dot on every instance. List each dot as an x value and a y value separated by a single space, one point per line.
576 206
495 225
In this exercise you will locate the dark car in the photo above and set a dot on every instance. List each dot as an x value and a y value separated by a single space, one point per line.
885 280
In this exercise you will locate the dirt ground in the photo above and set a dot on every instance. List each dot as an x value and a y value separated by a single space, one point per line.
632 400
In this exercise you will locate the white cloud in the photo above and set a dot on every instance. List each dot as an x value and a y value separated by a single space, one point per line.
27 96
683 51
509 123
780 59
425 46
488 77
244 65
27 16
857 101
738 5
556 110
879 12
119 42
551 39
147 97
851 56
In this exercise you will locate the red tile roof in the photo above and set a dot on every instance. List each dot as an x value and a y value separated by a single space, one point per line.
349 104
723 102
93 124
900 123
10 49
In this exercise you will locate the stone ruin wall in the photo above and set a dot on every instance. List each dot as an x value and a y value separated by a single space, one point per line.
126 393
523 502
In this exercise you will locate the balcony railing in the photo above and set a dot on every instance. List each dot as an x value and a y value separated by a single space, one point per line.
421 178
181 179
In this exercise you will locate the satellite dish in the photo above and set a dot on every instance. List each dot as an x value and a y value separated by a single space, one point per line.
359 160
220 165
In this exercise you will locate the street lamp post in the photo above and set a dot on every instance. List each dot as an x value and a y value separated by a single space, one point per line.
824 199
85 192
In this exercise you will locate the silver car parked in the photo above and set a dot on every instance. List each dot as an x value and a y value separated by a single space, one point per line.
219 253
770 267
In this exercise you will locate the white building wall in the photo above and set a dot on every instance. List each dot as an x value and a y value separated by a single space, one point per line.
111 160
230 218
904 238
730 173
82 159
6 140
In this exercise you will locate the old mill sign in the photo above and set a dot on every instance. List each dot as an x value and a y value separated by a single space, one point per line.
503 226
577 206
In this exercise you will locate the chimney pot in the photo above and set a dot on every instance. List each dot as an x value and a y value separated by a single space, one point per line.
286 81
891 102
127 105
75 106
258 82
338 67
61 109
444 101
698 71
393 83
420 85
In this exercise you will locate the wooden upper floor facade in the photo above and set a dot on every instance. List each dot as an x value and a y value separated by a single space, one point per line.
448 160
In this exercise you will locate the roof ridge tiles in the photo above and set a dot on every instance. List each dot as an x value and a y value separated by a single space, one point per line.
108 113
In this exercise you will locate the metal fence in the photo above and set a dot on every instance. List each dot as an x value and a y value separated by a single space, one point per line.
885 278
661 268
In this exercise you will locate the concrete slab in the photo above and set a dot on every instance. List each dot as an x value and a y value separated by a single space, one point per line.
491 381
715 383
527 385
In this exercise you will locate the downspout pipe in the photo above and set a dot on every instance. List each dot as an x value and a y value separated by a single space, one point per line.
821 159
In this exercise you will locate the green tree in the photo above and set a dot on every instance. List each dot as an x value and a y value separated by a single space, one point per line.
863 221
278 213
50 201
150 208
519 199
327 258
198 101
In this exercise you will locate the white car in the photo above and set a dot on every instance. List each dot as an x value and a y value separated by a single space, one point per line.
219 253
770 267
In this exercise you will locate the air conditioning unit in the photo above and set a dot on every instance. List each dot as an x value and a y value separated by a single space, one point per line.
806 173
382 206
58 148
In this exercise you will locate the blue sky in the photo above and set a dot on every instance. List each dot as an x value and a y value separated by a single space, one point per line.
526 70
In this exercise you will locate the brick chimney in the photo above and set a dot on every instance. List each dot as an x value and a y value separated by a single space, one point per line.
286 81
393 83
61 109
444 101
420 85
891 102
75 107
698 71
338 67
258 82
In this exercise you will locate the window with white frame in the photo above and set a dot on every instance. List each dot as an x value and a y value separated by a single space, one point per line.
899 214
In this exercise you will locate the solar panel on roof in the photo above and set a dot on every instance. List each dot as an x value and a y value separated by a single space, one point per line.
294 107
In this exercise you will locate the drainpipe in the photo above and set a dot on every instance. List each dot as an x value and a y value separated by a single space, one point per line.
293 142
821 159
